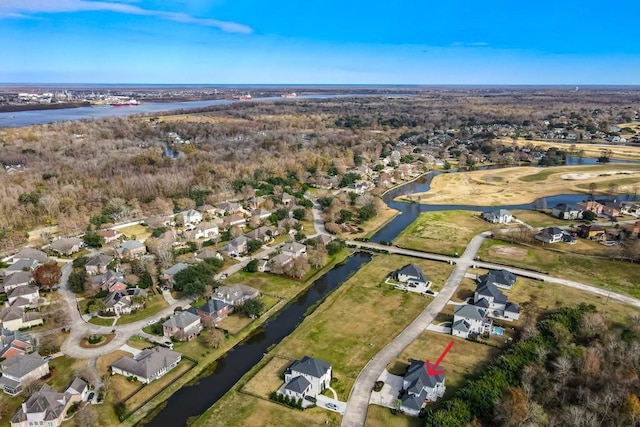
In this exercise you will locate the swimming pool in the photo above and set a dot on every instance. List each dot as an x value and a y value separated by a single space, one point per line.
497 330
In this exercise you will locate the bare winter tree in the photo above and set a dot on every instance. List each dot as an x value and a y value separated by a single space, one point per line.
87 417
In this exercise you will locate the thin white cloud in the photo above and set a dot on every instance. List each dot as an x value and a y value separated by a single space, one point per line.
23 9
469 44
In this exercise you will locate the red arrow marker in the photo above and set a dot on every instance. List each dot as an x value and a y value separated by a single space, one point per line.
432 370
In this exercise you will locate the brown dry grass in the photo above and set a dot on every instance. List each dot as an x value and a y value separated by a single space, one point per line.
158 385
590 150
374 224
515 185
377 416
269 379
103 362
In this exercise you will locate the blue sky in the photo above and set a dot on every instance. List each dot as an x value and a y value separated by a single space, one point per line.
330 41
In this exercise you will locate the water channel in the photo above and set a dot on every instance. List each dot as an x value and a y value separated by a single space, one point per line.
193 400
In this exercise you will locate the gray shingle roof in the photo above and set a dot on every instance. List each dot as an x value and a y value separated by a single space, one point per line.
99 260
418 377
213 306
299 384
147 362
412 271
181 320
500 277
490 290
461 325
46 400
176 268
310 366
469 312
21 364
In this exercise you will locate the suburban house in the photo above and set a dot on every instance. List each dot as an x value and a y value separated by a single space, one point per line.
500 278
131 249
489 297
419 387
289 225
470 320
236 295
190 216
109 235
234 220
98 264
205 230
411 275
47 407
280 262
236 247
264 233
260 213
21 370
294 249
228 208
21 265
124 302
31 253
306 377
23 296
592 232
591 205
566 211
286 199
213 309
183 326
169 273
633 229
208 254
255 202
148 365
550 235
15 280
66 246
113 281
323 239
611 209
14 318
13 343
501 216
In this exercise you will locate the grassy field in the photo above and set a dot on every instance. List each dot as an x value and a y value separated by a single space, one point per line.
333 332
589 149
446 233
153 388
152 305
538 219
137 232
523 184
619 276
139 343
377 416
236 322
269 379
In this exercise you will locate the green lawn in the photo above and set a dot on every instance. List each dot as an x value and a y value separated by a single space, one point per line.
539 219
63 371
441 232
378 416
153 305
101 321
619 276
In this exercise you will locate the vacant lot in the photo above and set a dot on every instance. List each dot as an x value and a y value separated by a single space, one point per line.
377 416
241 410
137 232
443 232
269 379
619 276
538 219
522 184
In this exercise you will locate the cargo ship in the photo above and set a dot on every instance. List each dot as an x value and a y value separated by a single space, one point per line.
129 103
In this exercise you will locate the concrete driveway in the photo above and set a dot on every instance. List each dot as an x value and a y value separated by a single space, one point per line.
330 404
389 393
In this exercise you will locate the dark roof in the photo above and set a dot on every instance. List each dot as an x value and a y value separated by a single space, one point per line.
413 401
490 290
564 207
46 400
500 277
412 271
469 312
512 308
181 320
147 362
552 231
461 325
213 306
299 384
418 378
310 366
